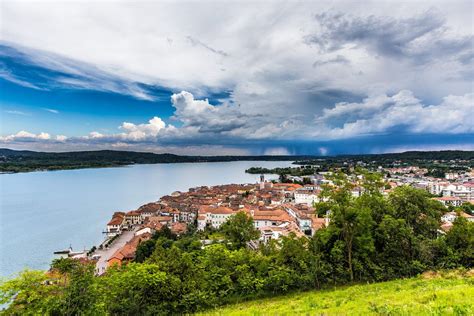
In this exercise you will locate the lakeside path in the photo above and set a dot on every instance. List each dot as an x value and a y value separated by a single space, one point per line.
105 254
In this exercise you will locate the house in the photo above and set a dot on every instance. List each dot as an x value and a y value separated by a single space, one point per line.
302 214
445 227
153 223
318 223
145 230
275 232
163 220
127 252
179 228
115 225
449 201
149 209
307 195
451 217
213 216
133 218
268 217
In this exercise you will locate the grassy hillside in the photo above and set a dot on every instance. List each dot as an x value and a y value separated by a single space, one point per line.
450 294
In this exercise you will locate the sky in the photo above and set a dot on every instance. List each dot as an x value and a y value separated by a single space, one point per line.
237 77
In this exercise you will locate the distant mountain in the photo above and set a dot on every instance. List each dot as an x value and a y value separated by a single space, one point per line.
25 160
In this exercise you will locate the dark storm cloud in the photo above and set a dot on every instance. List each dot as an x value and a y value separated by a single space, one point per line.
421 37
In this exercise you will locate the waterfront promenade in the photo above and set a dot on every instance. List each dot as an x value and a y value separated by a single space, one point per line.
105 254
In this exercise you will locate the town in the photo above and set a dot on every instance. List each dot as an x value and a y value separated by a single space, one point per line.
277 209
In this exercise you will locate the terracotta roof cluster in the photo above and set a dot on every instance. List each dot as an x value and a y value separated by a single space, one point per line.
447 198
117 219
277 215
127 252
216 210
133 213
150 208
179 228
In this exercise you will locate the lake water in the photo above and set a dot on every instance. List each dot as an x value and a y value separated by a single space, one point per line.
41 212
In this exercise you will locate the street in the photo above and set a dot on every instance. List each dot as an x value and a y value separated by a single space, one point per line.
105 254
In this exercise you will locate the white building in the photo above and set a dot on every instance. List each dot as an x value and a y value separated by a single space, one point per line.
114 227
450 201
451 217
213 216
307 195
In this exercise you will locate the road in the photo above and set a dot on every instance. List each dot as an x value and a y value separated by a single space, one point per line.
105 254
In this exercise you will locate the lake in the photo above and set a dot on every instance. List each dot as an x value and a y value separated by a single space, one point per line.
41 212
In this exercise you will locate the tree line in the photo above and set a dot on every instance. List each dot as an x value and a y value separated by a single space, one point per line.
370 238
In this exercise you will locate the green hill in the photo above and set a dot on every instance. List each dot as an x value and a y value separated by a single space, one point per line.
450 294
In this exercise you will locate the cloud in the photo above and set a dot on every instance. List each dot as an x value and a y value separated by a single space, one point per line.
266 50
293 70
15 112
196 42
339 59
25 136
201 116
51 110
9 76
421 37
48 70
143 131
203 123
402 112
61 138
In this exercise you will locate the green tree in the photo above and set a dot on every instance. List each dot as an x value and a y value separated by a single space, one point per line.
239 229
418 210
350 222
80 296
461 239
395 242
31 293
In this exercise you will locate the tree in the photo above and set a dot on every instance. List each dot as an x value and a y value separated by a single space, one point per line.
350 223
395 247
144 250
418 210
80 295
461 239
31 293
239 229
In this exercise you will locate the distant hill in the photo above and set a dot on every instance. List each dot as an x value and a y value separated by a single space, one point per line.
450 295
422 155
24 160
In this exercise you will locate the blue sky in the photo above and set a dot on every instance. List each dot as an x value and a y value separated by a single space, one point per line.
266 78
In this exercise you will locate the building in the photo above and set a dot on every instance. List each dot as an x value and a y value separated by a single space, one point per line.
133 218
127 252
213 216
449 201
450 217
307 195
115 225
268 217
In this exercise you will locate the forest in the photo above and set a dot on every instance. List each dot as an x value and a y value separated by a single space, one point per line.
370 238
26 161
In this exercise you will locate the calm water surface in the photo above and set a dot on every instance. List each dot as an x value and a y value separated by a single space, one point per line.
41 212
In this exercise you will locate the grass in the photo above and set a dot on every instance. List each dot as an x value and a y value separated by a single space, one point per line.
430 294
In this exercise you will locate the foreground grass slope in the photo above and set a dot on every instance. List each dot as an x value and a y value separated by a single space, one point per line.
449 294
